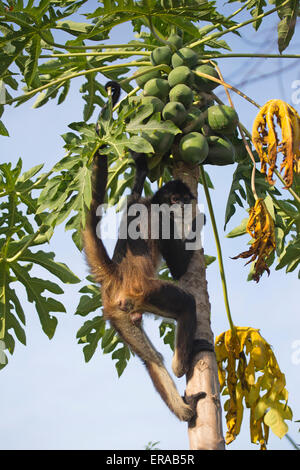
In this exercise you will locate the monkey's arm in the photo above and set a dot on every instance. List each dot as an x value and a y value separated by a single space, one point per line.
177 257
138 246
175 251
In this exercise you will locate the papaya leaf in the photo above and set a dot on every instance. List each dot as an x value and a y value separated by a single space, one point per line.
31 64
239 230
46 260
3 130
286 28
290 257
44 306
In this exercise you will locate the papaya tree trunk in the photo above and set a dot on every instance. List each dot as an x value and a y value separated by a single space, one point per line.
206 433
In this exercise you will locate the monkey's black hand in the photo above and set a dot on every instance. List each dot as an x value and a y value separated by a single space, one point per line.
140 161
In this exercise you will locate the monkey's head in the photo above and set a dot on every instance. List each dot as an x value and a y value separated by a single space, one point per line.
173 192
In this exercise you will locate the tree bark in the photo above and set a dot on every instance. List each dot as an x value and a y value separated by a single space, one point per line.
206 432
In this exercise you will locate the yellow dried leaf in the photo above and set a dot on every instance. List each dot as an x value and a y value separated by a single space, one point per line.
250 372
261 228
262 392
221 377
260 350
267 143
252 396
275 421
232 343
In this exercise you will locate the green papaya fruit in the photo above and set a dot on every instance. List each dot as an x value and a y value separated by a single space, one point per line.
183 94
222 118
194 120
184 56
160 141
174 111
161 55
156 102
241 153
157 87
202 83
175 40
193 148
221 151
147 76
180 75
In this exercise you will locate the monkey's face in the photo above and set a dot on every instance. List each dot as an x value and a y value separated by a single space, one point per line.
180 199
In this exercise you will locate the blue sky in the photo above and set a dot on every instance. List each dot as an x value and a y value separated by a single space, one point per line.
52 399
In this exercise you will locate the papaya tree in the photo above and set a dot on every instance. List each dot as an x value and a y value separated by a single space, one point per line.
170 71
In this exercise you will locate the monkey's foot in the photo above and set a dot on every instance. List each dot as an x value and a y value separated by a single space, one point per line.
192 401
179 365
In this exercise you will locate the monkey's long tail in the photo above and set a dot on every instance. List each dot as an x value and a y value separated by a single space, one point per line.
100 263
97 257
137 340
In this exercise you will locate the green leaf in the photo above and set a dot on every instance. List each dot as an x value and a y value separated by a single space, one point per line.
154 124
43 305
139 144
167 332
91 332
209 259
122 355
17 305
256 11
290 257
239 230
13 323
46 260
286 28
74 28
3 130
30 173
31 64
108 337
88 304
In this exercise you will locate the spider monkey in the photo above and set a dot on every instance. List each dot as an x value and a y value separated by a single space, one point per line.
129 284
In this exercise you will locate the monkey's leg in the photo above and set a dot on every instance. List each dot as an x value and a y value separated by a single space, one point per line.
133 334
170 301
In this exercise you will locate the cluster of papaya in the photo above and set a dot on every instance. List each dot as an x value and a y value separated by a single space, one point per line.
208 131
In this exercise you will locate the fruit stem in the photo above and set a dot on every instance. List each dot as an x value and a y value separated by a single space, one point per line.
264 56
159 38
163 67
95 54
105 68
236 90
218 246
